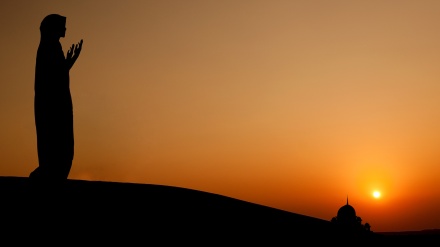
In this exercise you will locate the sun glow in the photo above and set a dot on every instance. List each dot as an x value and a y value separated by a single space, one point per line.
376 194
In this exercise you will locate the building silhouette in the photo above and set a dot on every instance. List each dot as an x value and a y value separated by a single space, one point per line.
349 222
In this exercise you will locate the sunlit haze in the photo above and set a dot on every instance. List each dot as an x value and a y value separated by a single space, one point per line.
376 194
289 104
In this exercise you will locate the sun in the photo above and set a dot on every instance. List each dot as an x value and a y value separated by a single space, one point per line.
376 194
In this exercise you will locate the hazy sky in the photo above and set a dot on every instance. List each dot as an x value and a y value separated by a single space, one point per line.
289 104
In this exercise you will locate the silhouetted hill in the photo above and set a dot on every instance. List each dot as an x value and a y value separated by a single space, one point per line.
97 212
431 236
419 233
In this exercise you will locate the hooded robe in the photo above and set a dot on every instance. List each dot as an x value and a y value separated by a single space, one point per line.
53 107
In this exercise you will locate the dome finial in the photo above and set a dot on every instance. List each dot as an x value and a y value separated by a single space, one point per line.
347 199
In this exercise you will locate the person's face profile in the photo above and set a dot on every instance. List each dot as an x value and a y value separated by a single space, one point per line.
63 31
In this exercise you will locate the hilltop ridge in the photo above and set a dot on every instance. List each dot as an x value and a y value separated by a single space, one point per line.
104 212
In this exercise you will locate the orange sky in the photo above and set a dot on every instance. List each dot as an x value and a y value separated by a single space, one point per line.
289 104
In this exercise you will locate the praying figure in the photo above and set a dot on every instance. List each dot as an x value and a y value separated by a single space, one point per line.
53 108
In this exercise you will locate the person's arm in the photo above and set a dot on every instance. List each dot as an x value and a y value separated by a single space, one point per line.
73 54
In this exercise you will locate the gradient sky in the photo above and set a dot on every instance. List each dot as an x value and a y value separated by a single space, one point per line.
290 104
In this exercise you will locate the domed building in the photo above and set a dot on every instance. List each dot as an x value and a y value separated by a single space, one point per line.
347 218
346 215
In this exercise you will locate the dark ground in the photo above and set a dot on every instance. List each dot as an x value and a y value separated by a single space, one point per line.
94 212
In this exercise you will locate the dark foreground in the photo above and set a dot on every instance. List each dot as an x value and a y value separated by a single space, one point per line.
93 212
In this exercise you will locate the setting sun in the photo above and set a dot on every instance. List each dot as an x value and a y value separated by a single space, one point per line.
376 194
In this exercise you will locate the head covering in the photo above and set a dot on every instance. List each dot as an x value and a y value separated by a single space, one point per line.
52 25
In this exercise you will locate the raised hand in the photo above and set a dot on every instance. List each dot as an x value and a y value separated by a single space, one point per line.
78 48
73 53
70 53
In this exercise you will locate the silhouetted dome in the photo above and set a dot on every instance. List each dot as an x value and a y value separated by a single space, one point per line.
346 211
346 214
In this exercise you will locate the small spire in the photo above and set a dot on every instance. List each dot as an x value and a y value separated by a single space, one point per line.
347 199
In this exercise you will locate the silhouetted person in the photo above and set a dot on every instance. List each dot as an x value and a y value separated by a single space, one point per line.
53 103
